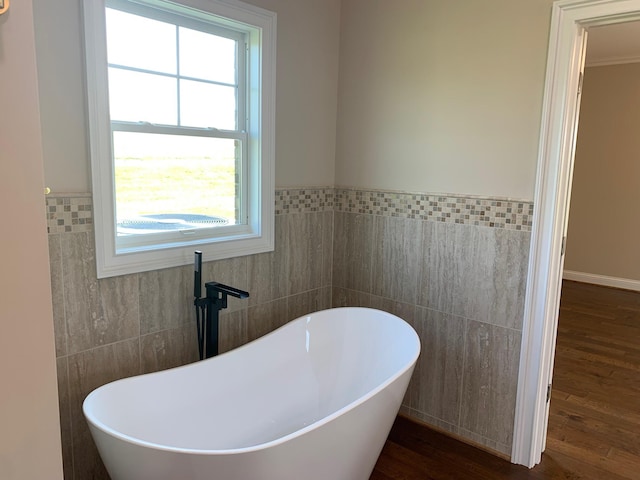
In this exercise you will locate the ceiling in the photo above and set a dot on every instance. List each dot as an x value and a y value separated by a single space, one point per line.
611 44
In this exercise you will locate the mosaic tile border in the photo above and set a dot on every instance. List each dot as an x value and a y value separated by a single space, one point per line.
484 212
304 200
68 213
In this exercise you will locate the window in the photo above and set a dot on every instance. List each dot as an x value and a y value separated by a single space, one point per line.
181 117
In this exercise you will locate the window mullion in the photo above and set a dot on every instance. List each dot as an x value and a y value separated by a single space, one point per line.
169 75
178 74
146 127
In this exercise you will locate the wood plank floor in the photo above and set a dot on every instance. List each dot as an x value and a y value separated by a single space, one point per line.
594 422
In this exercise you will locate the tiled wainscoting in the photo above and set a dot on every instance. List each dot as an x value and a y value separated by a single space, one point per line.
454 267
117 327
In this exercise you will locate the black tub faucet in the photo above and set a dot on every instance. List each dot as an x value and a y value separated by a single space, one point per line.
208 309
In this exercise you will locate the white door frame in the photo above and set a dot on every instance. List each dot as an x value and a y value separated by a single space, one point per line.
565 60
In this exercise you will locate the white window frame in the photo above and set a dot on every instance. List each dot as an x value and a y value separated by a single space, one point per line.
258 234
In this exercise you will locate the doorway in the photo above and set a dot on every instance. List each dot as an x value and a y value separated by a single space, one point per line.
570 20
593 408
602 231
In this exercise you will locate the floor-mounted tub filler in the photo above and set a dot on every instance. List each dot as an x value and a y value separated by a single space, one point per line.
314 399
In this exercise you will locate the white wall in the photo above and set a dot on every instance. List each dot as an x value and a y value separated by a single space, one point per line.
441 96
307 90
29 422
434 95
307 85
62 104
602 238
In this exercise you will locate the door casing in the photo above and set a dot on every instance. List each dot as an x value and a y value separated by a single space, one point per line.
565 62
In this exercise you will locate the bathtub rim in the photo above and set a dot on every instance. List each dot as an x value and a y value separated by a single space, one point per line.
272 443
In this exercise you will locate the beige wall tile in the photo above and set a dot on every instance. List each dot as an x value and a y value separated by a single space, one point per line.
490 380
343 297
87 371
475 272
327 248
98 312
308 302
437 264
57 295
169 348
429 420
352 251
166 299
492 268
265 318
436 385
397 247
66 433
405 311
486 442
268 272
304 239
233 330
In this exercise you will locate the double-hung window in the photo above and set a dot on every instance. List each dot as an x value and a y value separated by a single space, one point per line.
181 113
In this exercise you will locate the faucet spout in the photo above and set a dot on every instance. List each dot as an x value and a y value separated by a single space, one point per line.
225 290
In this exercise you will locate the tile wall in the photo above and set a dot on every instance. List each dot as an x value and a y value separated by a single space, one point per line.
455 267
117 327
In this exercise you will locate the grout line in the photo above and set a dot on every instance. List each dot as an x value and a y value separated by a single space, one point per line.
71 422
462 376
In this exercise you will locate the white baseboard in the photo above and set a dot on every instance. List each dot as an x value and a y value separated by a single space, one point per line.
625 283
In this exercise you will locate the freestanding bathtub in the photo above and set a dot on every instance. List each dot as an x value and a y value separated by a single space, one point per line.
314 399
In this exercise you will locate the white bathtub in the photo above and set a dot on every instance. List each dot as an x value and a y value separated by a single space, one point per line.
314 399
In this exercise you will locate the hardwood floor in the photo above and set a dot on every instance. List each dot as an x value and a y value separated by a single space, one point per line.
595 402
594 421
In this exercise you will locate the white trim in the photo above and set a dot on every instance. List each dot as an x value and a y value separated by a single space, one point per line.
604 280
260 27
552 194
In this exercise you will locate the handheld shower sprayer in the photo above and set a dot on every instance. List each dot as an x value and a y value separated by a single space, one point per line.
197 275
201 307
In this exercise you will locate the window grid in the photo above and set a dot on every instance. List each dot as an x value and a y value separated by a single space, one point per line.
246 51
238 134
240 117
